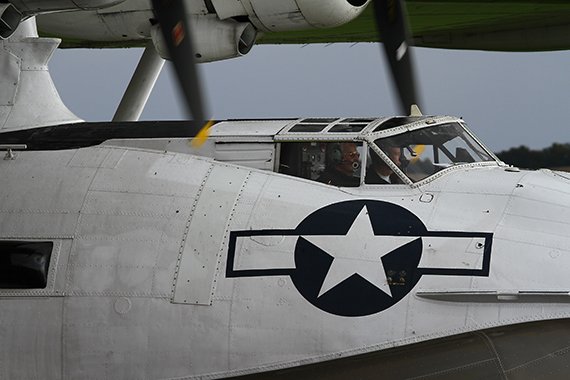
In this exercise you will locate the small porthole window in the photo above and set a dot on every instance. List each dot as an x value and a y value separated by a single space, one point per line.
24 264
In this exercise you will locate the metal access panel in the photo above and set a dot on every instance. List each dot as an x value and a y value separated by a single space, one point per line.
253 155
207 235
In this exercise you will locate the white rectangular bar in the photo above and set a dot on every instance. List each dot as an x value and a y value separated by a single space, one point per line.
452 252
265 252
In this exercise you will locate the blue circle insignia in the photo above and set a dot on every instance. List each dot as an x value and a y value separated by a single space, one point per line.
344 265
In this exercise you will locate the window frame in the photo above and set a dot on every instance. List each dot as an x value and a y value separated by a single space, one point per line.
360 142
385 134
403 177
55 283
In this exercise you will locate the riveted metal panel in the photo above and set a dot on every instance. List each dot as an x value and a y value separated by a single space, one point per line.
42 196
119 240
10 77
207 236
253 155
251 128
132 225
96 158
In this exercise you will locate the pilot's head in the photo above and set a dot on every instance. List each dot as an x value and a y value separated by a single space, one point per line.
394 153
349 158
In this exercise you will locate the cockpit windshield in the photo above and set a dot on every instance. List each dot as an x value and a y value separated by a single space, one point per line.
426 151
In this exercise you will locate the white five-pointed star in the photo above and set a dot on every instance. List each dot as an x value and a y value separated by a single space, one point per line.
359 251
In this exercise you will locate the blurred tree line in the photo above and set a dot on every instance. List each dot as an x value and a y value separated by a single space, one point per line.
555 156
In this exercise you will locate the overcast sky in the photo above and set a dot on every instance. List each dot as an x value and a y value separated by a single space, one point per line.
507 99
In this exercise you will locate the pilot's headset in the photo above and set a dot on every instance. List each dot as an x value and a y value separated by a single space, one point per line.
334 156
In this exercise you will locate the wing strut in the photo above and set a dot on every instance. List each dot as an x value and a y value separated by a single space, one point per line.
141 85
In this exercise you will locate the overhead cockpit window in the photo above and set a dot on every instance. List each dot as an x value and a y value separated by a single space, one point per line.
305 127
353 125
348 127
333 163
312 125
426 151
24 264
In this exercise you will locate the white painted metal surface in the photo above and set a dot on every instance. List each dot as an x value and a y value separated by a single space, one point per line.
206 239
25 80
252 155
147 283
259 129
129 20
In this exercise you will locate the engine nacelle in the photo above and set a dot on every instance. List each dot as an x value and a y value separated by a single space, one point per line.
213 39
10 18
282 15
32 7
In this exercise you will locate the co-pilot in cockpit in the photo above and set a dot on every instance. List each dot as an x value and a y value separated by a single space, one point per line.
379 172
424 152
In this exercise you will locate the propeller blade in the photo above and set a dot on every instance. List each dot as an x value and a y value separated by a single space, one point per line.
391 19
171 16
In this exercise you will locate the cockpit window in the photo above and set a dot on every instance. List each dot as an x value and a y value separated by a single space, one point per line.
333 163
378 172
426 151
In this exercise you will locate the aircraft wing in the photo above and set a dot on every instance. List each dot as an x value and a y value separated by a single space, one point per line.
460 24
507 25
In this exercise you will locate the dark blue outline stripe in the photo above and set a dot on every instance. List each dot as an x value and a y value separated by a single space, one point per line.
230 272
483 272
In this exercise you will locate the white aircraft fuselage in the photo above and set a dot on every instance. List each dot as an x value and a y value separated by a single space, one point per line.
301 249
214 263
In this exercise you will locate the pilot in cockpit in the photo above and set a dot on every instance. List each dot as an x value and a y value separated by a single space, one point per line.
379 173
342 159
